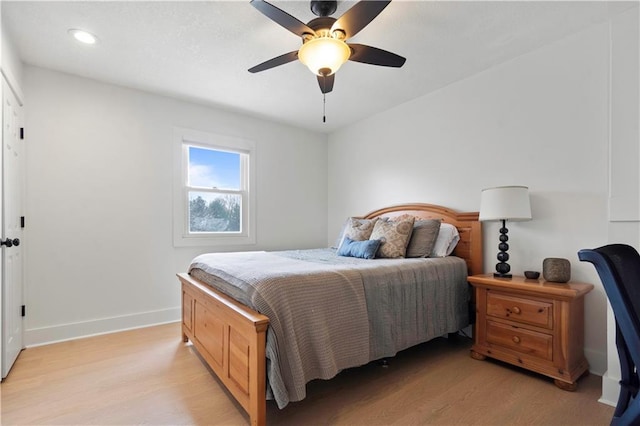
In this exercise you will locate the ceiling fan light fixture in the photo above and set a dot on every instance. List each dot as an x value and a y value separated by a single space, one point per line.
322 53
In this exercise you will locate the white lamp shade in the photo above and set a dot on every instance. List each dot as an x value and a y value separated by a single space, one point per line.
505 203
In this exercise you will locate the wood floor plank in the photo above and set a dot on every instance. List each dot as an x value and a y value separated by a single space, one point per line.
149 376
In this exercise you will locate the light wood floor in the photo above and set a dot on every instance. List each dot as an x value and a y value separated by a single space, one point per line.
149 376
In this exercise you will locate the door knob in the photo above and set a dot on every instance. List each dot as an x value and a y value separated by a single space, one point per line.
10 243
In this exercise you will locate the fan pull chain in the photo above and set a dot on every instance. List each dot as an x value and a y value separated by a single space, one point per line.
324 72
324 107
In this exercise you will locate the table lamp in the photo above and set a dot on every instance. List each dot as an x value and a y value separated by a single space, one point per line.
505 203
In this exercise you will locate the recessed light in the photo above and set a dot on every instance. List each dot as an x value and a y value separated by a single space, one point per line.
83 36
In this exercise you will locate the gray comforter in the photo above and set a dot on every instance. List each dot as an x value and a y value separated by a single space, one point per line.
329 312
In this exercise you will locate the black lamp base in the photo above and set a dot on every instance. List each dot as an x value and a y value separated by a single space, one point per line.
499 275
503 267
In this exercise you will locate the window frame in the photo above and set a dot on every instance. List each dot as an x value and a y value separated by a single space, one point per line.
182 237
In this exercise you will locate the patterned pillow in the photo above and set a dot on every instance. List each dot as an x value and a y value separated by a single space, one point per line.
394 235
423 238
357 229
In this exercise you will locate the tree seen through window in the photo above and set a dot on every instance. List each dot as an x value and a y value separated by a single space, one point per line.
222 214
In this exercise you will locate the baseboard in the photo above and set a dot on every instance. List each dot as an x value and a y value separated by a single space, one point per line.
78 330
610 389
597 361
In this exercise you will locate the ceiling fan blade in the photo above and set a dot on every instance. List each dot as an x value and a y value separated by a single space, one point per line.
375 56
274 62
359 16
282 18
326 82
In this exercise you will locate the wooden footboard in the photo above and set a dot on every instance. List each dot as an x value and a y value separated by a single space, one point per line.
231 338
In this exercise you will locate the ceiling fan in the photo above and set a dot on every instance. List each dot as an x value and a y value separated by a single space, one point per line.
324 48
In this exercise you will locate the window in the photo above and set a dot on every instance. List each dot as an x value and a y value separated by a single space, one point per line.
214 185
213 194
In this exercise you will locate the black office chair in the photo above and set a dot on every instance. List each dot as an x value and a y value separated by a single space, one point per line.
619 268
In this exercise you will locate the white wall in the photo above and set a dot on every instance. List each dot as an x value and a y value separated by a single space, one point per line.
540 120
99 201
624 163
10 63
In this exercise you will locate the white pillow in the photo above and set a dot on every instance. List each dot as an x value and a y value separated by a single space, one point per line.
447 240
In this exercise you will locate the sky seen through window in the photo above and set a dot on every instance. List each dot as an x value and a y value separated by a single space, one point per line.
209 168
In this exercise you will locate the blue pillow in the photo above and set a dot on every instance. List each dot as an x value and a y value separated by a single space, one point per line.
363 249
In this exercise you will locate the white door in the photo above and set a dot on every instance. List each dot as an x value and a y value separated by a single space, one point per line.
11 251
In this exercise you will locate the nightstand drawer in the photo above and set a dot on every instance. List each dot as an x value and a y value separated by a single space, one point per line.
519 339
528 311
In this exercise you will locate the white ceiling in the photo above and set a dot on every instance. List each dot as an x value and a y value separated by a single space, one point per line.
200 51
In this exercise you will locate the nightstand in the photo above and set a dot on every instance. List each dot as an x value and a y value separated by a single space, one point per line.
534 324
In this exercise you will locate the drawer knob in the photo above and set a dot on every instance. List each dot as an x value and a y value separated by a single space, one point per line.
515 310
516 339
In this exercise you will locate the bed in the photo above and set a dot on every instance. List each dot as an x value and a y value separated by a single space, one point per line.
254 356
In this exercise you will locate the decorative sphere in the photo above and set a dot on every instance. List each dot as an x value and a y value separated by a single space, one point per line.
504 230
503 246
503 268
503 257
504 238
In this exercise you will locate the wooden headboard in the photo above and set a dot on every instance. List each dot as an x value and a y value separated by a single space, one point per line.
470 246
